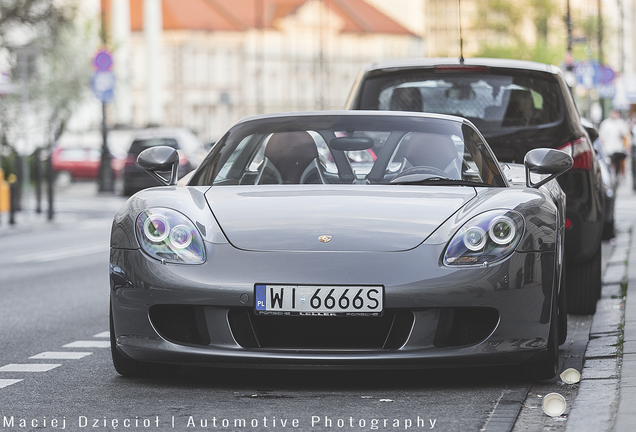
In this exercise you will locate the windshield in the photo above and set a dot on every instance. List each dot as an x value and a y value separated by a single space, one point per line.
488 100
350 149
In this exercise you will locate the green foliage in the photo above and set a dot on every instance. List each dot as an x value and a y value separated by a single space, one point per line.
503 21
62 51
520 51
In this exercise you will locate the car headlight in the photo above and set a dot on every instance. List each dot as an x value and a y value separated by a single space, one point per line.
169 236
486 238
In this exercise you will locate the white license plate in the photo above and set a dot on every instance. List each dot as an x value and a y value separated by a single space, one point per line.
319 300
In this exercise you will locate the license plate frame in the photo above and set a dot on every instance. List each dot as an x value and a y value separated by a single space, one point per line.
319 300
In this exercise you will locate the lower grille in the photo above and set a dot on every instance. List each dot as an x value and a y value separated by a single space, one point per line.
180 323
464 326
339 333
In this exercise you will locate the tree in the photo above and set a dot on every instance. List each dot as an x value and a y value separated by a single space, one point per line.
506 23
61 79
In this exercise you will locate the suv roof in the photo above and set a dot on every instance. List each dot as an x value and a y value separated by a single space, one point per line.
489 62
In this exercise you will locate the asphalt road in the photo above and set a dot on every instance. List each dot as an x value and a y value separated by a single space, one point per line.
56 372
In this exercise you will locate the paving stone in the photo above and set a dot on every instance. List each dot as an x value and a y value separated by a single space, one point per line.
614 274
608 317
605 346
600 369
612 291
594 406
620 254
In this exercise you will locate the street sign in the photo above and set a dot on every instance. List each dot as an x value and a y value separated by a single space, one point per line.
103 61
103 85
591 74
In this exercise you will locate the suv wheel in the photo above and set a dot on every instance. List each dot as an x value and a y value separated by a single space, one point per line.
583 283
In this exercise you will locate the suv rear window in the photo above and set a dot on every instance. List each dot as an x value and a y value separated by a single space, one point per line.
140 145
488 100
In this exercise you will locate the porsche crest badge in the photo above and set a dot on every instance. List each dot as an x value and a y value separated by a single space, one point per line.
324 238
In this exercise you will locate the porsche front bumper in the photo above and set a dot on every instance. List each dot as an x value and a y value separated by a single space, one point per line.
434 315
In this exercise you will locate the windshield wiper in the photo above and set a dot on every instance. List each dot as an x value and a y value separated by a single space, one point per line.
438 181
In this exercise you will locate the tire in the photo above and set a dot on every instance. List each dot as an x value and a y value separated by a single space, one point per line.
563 310
548 367
609 231
127 367
583 285
63 179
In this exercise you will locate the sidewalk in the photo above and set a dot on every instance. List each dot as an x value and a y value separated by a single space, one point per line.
77 202
606 398
626 412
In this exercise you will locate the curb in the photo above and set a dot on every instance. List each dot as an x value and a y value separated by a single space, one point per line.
595 405
626 413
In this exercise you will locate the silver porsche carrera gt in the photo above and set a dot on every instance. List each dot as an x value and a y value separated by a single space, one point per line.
342 239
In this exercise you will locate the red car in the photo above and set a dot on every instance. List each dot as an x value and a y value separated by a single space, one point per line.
71 163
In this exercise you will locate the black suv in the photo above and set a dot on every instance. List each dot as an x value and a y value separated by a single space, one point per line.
518 106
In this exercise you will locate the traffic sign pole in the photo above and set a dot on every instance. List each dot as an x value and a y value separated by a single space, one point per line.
103 84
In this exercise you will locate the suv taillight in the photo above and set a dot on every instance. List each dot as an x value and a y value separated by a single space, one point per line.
183 159
130 160
581 152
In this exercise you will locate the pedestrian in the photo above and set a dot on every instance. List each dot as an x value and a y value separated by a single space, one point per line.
615 138
633 151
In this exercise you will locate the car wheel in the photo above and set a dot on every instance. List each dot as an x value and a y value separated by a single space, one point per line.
127 367
549 366
608 230
63 179
563 310
584 285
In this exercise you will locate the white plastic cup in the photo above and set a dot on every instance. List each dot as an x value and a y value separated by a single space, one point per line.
553 404
570 376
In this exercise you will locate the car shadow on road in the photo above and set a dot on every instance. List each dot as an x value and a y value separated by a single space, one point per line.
299 380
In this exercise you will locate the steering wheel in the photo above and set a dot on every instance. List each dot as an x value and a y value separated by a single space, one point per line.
421 172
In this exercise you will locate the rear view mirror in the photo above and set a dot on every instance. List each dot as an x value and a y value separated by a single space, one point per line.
351 144
160 159
546 161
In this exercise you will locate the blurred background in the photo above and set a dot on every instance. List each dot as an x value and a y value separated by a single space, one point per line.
88 74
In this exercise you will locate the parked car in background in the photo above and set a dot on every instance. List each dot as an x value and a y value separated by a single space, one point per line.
191 153
610 182
284 250
518 106
79 163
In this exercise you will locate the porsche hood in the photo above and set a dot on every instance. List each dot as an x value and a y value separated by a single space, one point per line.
341 218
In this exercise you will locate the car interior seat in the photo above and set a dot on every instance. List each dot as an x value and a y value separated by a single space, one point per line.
290 158
520 109
406 99
431 150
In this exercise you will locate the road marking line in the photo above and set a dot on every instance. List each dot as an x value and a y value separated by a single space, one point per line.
88 344
7 382
105 334
61 253
65 355
28 367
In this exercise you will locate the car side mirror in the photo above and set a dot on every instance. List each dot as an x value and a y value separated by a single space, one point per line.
546 161
160 159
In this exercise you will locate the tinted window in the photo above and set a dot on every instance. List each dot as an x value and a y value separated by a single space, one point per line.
350 149
488 100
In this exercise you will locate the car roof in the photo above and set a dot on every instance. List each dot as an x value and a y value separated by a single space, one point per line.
351 113
453 61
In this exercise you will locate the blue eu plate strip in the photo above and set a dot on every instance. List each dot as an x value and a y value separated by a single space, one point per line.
261 297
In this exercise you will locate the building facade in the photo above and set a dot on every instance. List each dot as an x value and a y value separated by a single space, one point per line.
220 61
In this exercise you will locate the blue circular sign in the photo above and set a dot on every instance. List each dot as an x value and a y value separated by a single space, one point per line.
103 61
